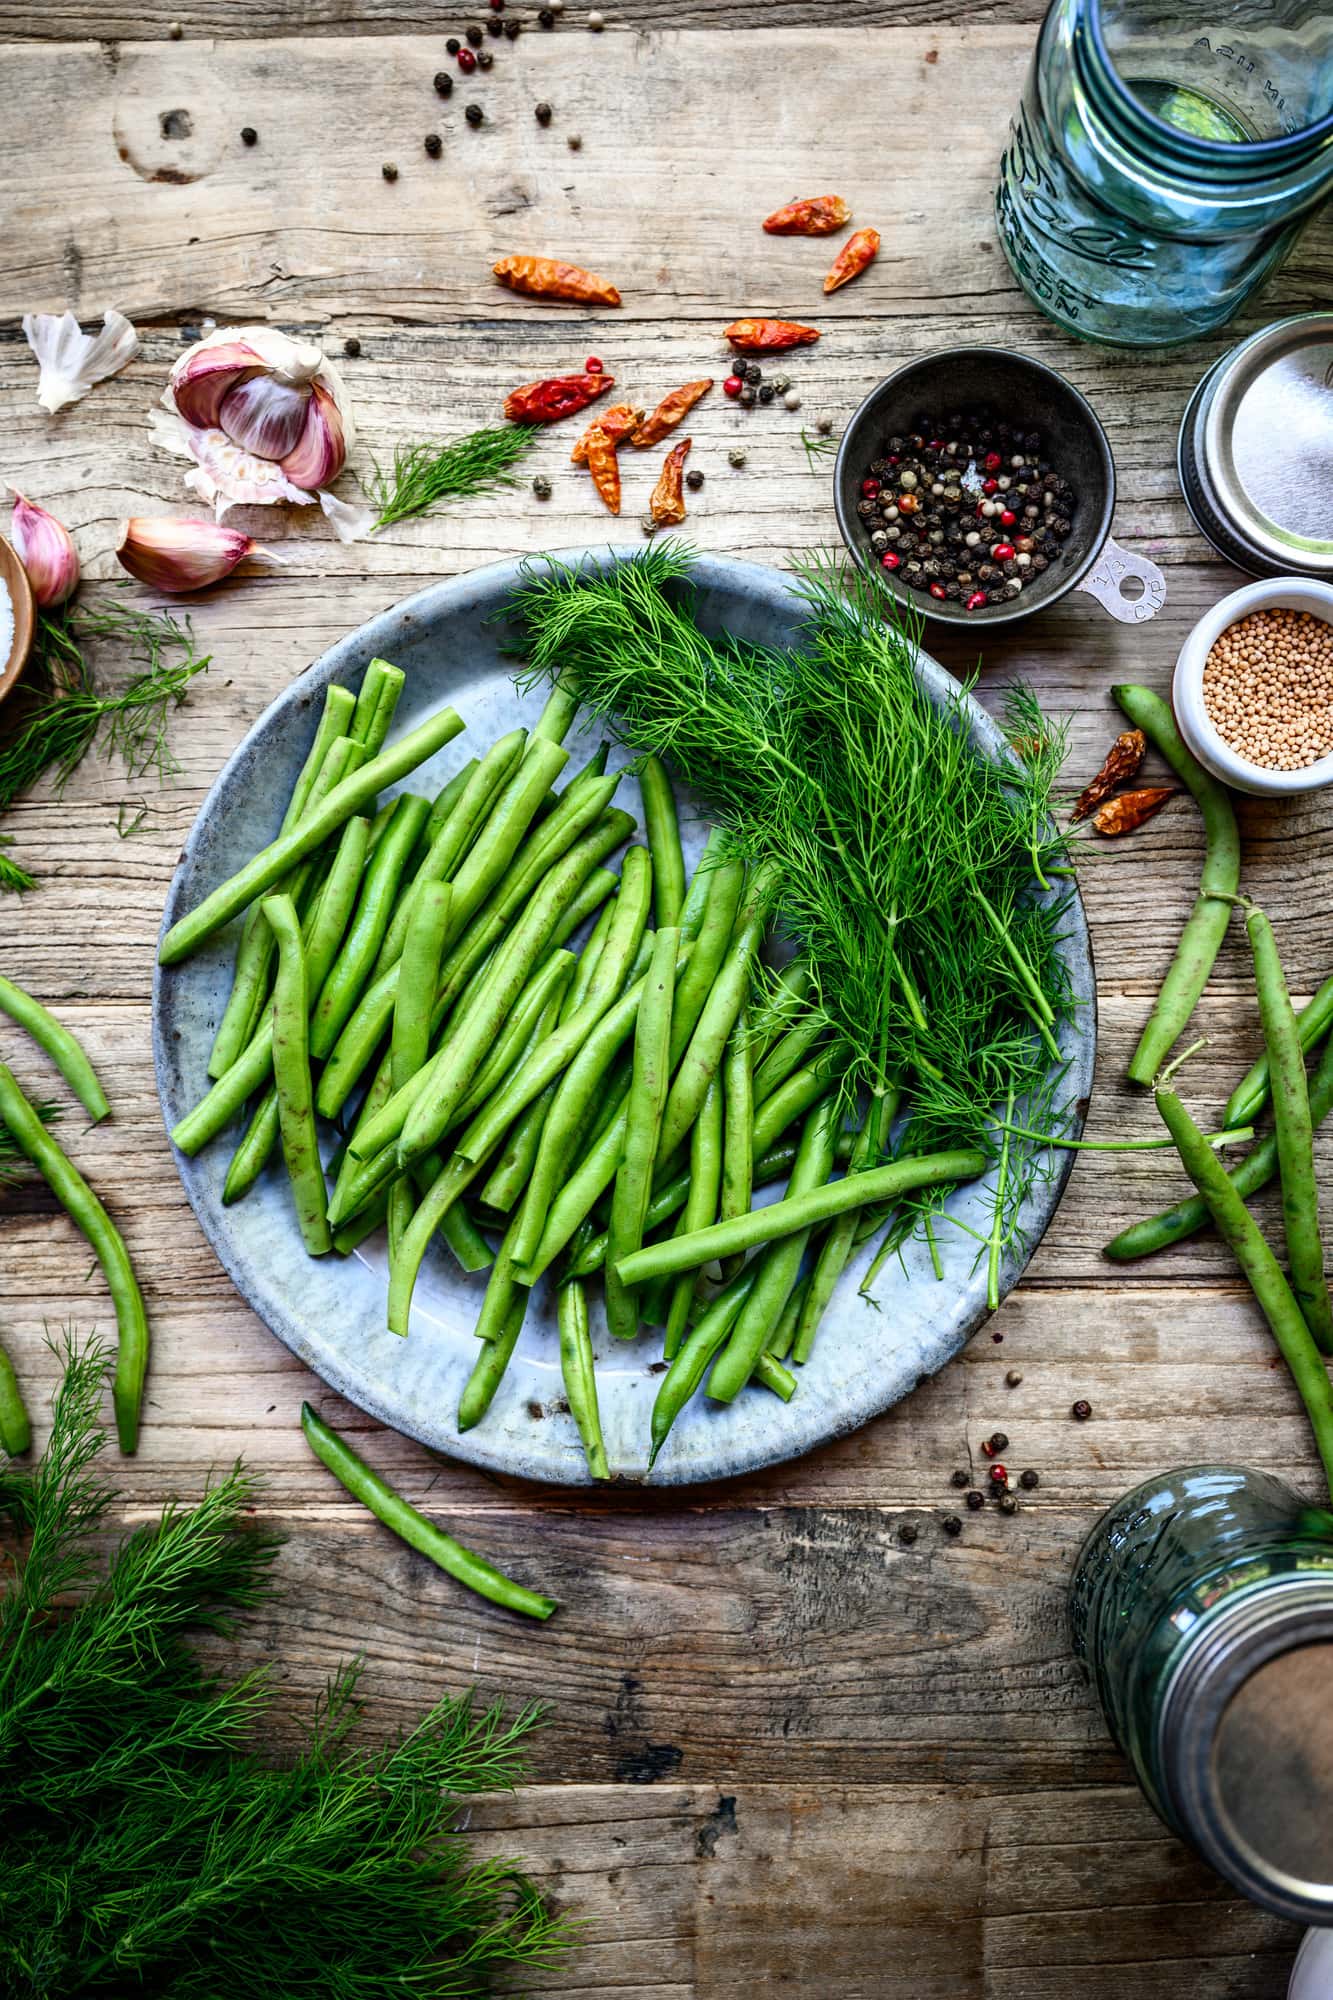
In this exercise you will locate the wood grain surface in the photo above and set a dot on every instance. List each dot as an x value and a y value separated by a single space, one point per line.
788 1752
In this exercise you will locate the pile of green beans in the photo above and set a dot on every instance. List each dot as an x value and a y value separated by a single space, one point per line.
613 1111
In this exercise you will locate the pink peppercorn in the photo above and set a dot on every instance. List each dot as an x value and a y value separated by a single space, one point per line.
976 600
869 488
467 62
732 386
938 590
593 365
1002 552
1007 517
992 461
990 486
889 560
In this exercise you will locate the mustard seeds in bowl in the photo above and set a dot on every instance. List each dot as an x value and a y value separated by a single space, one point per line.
1268 688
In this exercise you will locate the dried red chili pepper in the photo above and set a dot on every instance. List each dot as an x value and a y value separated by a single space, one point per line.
617 422
820 215
669 412
860 249
1129 811
667 505
559 396
548 278
604 466
1122 763
768 336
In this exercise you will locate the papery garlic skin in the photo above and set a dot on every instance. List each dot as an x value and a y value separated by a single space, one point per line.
46 550
178 556
71 360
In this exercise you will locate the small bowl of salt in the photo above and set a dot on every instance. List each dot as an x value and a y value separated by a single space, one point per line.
18 618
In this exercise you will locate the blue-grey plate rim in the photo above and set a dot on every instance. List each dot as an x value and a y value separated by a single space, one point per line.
866 1359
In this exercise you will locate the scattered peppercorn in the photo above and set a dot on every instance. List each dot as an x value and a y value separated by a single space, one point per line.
999 1475
495 26
541 486
485 60
593 365
453 45
976 1500
997 1441
766 392
474 115
467 62
189 334
792 400
352 346
389 171
648 524
732 386
1081 1411
175 31
824 423
1008 1503
1012 1379
1029 1479
736 456
513 29
748 396
444 83
473 36
543 113
574 141
545 17
959 1477
434 144
908 1532
694 480
782 383
952 1524
596 21
249 136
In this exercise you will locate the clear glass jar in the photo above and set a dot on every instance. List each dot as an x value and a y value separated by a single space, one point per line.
1163 159
1201 1609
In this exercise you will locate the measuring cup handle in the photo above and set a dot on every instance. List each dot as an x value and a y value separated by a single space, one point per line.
1104 579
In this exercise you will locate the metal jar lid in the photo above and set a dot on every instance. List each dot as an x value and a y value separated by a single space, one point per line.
1256 450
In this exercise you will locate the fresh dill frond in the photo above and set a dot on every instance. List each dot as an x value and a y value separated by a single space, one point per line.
149 1845
816 448
14 881
424 474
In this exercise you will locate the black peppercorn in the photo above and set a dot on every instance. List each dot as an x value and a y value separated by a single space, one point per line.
1007 1503
474 114
474 36
189 334
865 508
908 1532
444 83
389 171
952 1524
485 60
959 1477
976 1501
495 26
352 346
753 372
543 113
997 1441
1081 1410
1029 1479
513 29
434 145
545 18
766 392
694 480
453 45
249 136
747 397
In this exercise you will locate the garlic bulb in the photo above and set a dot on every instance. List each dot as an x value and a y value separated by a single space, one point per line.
71 360
46 549
264 417
186 555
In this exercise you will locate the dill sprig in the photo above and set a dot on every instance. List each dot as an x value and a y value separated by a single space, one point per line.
424 474
817 448
148 1847
14 881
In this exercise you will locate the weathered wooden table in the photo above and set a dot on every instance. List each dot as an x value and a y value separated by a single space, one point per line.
788 1752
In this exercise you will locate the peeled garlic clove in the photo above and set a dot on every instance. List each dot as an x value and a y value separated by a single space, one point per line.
322 451
264 416
205 374
177 555
46 550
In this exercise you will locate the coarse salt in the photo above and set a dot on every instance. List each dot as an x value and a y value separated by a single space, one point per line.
6 622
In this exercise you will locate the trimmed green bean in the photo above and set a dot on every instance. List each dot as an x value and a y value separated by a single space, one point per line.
726 884
75 1196
690 1363
780 1265
579 1374
769 1373
706 1178
255 1148
1243 1237
15 1430
265 868
792 1100
663 831
784 1007
536 1014
1201 939
371 1218
1249 1097
447 799
469 1246
351 968
794 1213
738 1125
381 686
1293 1129
488 1369
418 977
829 1264
562 705
780 1341
788 1054
291 1078
599 885
64 1049
578 987
647 1098
587 1250
577 1198
696 896
389 1506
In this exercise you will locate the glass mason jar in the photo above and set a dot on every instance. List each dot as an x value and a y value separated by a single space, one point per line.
1201 1609
1163 159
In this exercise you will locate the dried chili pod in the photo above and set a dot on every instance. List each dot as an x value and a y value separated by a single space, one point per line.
667 505
768 336
617 422
1122 763
559 396
669 412
860 249
818 215
549 278
604 466
1130 809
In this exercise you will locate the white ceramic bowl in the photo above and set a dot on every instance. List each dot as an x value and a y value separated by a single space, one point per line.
1276 593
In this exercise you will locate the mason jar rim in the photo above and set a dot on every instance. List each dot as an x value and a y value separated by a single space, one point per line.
1250 153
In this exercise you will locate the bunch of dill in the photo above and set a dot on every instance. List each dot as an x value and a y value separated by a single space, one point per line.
148 1848
425 473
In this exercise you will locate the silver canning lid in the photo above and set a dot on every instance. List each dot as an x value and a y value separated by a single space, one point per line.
1244 1751
1256 450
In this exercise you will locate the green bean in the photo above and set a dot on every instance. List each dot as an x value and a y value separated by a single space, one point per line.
447 799
417 979
576 1199
780 1265
726 883
371 1218
536 1014
1243 1237
1201 939
562 705
780 1341
1294 1131
791 989
792 1100
579 1374
647 1098
738 1124
400 1206
663 830
795 1213
488 1369
831 1262
469 1246
769 1373
87 1213
701 882
64 1049
787 1055
255 1148
381 685
254 948
706 1178
1249 1097
15 1430
599 885
273 861
513 1169
577 992
291 1077
721 1009
413 1528
691 1361
342 988
587 1251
